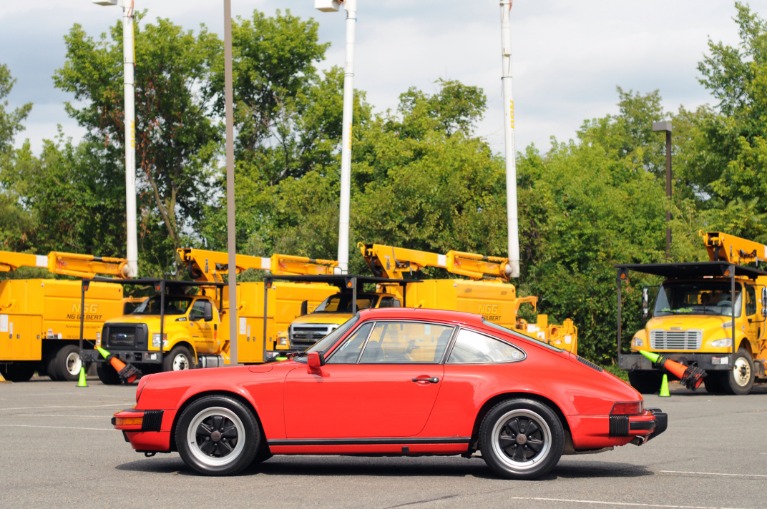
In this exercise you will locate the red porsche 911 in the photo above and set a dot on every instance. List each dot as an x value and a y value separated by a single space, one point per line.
395 381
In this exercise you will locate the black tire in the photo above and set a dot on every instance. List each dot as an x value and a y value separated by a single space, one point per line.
714 381
19 371
178 359
107 374
218 435
65 364
740 379
521 439
646 382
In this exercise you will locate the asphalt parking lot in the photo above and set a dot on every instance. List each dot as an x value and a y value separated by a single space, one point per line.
59 450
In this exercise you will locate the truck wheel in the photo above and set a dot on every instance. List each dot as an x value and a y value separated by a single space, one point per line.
646 382
107 374
19 371
218 435
715 381
740 378
521 439
65 364
179 359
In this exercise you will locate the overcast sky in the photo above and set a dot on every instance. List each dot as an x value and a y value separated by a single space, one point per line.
568 56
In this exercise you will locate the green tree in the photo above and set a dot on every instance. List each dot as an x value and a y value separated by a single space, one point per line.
177 138
730 168
14 220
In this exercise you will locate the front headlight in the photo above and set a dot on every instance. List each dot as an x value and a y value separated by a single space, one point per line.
637 342
719 343
156 340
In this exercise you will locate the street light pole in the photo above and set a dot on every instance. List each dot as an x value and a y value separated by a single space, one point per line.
511 163
130 132
230 217
666 126
346 138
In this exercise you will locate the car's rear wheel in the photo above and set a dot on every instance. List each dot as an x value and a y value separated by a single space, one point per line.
740 379
521 439
217 435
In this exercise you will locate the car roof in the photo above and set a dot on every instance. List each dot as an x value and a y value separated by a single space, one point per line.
421 314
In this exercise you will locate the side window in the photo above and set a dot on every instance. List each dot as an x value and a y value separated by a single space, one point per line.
404 342
349 352
474 348
750 301
199 310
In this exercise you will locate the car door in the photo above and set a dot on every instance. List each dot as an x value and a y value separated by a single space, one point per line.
382 383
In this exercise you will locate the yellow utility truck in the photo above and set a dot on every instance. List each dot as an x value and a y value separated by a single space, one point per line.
712 315
264 311
40 319
487 292
185 324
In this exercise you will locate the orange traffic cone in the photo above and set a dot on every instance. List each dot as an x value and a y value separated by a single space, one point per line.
128 373
690 376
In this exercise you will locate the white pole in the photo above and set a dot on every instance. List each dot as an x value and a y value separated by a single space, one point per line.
230 209
130 138
346 139
511 165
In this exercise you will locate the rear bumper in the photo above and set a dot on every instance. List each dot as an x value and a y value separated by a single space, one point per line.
641 428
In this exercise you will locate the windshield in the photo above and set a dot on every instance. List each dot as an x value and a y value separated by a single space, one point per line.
697 298
342 303
328 341
173 306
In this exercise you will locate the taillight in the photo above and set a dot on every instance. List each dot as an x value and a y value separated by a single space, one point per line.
627 408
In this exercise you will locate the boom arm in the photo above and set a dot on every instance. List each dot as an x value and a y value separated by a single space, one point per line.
396 262
68 264
729 248
207 265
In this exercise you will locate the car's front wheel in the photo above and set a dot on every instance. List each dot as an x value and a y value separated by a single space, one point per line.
217 435
521 439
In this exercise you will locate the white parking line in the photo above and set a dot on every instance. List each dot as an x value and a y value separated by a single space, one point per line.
54 427
113 405
615 504
715 474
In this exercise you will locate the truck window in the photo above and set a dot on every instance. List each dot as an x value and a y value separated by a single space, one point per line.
750 300
702 298
342 303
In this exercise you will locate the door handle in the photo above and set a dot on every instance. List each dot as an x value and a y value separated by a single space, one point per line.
426 379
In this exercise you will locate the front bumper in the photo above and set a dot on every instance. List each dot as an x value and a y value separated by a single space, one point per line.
143 429
705 361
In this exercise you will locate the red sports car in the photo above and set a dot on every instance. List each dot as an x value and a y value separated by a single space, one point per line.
395 381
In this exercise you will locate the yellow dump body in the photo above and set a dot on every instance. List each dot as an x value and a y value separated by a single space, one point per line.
36 310
284 301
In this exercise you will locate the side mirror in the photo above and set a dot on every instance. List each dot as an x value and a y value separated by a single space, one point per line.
645 303
764 302
304 307
315 360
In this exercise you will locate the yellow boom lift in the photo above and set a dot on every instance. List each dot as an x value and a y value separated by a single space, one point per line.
40 318
486 292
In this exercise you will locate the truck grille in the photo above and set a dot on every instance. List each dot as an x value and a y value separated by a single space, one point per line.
124 337
675 340
304 336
